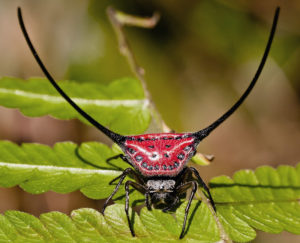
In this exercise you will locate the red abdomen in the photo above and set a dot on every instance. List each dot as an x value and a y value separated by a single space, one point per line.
162 154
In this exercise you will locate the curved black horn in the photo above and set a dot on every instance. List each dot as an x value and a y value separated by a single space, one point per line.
117 138
206 131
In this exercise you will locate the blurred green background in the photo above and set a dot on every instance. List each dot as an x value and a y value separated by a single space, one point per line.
198 60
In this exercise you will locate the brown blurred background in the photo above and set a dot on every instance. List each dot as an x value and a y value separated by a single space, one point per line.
198 60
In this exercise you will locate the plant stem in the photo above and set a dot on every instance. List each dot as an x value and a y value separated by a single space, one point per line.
118 20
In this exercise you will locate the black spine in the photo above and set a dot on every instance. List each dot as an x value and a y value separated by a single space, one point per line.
206 131
117 138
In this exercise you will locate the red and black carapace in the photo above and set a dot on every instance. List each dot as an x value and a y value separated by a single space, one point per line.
159 160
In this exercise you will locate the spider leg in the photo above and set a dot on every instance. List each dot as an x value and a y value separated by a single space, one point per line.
202 183
125 173
180 189
132 172
141 189
148 201
121 156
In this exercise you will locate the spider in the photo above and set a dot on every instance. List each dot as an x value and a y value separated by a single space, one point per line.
159 160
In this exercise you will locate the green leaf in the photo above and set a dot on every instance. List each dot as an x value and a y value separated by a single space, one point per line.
61 227
266 199
64 168
201 225
27 227
88 225
7 232
201 159
120 105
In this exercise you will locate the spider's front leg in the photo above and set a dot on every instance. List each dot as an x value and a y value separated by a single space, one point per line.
202 183
186 183
181 189
121 156
141 189
148 201
128 171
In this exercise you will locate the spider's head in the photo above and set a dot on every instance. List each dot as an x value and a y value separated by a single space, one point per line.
162 192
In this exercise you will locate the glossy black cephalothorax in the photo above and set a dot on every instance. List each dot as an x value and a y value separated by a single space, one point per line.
158 160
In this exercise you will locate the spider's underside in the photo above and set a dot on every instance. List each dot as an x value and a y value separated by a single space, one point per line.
160 159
